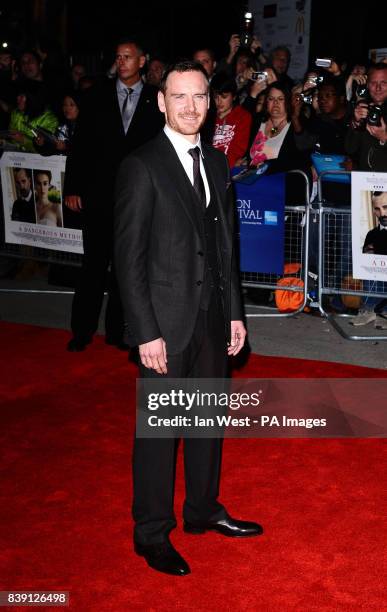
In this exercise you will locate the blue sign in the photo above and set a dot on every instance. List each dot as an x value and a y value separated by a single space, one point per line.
261 212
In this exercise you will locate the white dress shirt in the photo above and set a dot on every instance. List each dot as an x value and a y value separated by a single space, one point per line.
182 146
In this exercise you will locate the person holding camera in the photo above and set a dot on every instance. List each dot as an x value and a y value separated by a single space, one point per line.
326 130
259 82
366 142
367 136
356 82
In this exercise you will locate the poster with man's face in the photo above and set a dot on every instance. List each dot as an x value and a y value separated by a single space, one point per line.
34 212
369 225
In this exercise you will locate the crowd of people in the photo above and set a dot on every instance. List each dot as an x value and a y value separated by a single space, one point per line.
257 115
158 224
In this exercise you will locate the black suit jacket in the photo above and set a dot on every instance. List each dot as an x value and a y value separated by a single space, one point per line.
159 246
100 143
378 239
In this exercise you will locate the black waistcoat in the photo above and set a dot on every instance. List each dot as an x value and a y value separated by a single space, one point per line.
212 269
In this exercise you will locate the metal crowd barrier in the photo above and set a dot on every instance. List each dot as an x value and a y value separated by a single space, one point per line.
296 251
335 265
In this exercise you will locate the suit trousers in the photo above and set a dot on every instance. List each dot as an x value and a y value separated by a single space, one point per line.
154 460
93 280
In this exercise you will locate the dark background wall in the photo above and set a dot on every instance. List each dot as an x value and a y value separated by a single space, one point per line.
338 27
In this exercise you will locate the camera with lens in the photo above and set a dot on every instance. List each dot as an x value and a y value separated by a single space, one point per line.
307 98
246 35
316 80
259 76
362 92
375 114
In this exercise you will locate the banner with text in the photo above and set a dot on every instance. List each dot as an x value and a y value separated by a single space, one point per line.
261 212
32 190
284 23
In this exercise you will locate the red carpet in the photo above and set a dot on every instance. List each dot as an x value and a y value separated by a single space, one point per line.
67 424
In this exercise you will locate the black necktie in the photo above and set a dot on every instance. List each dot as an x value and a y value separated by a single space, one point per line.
198 184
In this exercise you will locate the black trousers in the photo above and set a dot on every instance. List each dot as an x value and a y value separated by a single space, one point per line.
93 280
154 460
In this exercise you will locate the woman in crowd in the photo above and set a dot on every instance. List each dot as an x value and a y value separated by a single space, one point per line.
30 114
272 134
233 123
61 142
48 212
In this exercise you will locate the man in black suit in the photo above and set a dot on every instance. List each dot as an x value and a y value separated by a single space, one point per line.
23 208
117 117
180 293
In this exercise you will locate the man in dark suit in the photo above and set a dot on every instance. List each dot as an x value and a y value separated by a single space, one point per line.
117 117
180 293
23 208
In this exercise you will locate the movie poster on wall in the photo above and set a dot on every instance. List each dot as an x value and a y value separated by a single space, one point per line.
34 215
369 225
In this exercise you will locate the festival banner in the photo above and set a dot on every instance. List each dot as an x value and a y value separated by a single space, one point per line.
369 225
284 22
32 190
261 213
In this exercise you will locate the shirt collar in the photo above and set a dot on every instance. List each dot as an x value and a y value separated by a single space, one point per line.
27 198
382 227
181 144
137 87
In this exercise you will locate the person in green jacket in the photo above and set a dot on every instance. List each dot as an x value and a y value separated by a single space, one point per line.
31 113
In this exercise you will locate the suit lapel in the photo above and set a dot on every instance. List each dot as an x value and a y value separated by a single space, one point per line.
170 160
116 112
210 165
139 113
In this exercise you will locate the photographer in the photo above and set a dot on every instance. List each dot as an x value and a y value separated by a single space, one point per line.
356 82
325 131
366 142
241 56
259 82
367 136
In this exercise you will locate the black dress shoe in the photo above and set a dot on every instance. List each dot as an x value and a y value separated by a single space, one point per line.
163 558
76 345
228 527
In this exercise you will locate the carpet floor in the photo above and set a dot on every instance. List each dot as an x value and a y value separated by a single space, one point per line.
67 424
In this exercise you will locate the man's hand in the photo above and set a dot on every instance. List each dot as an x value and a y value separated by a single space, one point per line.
153 355
258 86
334 69
361 111
74 202
234 44
238 336
378 131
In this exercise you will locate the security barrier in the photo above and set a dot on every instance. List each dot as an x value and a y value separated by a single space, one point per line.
296 248
332 246
335 266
